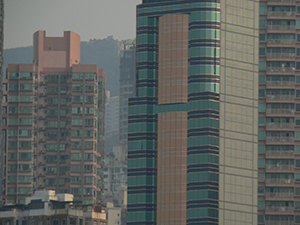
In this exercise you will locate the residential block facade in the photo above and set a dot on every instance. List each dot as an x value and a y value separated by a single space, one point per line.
54 122
192 132
279 107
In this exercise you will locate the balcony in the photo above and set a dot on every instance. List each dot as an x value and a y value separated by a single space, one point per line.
280 83
279 209
280 55
279 153
280 97
279 181
281 27
281 13
281 69
280 139
280 111
278 222
279 167
279 194
280 125
281 1
281 41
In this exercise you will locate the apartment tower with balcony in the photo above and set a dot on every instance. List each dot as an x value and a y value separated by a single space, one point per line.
53 113
192 132
279 113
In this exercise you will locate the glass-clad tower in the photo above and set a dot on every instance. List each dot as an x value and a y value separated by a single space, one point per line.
192 133
279 107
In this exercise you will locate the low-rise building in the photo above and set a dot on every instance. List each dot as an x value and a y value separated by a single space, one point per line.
48 208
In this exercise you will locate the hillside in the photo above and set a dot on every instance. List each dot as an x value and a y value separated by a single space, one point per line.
103 52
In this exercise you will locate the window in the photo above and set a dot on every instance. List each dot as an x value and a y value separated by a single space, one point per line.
261 204
262 23
76 156
89 133
77 87
12 156
88 179
89 122
261 107
261 162
13 110
262 79
12 145
261 135
25 98
76 133
12 168
25 144
24 179
75 179
76 122
51 170
262 121
11 179
88 156
26 121
262 51
77 98
262 37
89 99
24 167
26 110
24 156
262 65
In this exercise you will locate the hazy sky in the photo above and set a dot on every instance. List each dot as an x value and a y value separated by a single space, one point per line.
89 18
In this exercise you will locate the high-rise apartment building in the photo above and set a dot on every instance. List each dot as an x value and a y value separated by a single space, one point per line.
192 133
279 107
1 74
53 122
127 86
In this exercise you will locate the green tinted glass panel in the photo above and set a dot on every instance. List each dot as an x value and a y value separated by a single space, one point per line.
261 148
262 51
262 37
262 79
261 204
261 107
297 135
261 162
262 65
297 24
297 149
260 218
261 135
261 120
262 9
262 23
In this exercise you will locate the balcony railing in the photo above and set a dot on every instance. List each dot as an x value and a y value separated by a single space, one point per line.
282 1
280 83
280 55
281 69
280 125
280 139
281 13
280 111
279 208
281 41
279 153
279 194
279 181
279 167
281 27
280 97
276 222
